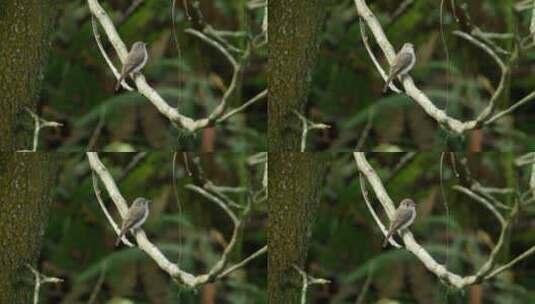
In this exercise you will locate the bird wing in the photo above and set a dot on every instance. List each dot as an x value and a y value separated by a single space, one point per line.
402 60
128 67
132 216
401 218
135 59
132 60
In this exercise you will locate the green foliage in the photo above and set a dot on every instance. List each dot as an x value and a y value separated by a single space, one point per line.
457 76
78 86
190 230
456 230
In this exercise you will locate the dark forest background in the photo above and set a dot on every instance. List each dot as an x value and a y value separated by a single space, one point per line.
456 75
79 242
78 85
346 243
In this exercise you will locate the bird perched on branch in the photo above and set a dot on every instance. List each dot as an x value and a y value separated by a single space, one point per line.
134 62
135 217
403 63
403 218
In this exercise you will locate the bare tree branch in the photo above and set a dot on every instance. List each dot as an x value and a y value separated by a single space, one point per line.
40 279
114 225
173 114
244 262
179 275
380 224
244 106
307 126
442 118
488 269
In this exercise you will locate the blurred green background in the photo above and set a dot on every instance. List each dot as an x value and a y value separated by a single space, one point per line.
346 242
79 242
346 87
78 85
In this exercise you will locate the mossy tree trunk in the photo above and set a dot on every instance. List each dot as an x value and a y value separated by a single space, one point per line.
295 182
25 28
294 38
26 188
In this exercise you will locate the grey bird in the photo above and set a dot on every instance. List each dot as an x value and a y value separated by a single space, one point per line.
403 218
135 217
134 62
403 63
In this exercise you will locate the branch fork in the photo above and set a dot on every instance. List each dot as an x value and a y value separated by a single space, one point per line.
485 272
217 115
454 125
218 271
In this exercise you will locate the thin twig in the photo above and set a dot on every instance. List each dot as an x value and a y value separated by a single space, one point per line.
484 272
114 225
150 249
308 125
380 224
382 72
512 108
520 257
40 279
96 133
244 262
39 124
487 111
172 113
112 67
136 160
244 106
307 281
216 200
440 116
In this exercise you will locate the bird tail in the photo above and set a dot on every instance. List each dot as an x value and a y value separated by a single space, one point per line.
387 84
118 241
118 84
385 242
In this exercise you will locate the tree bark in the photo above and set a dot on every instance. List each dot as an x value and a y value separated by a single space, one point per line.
295 181
25 32
26 188
294 37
